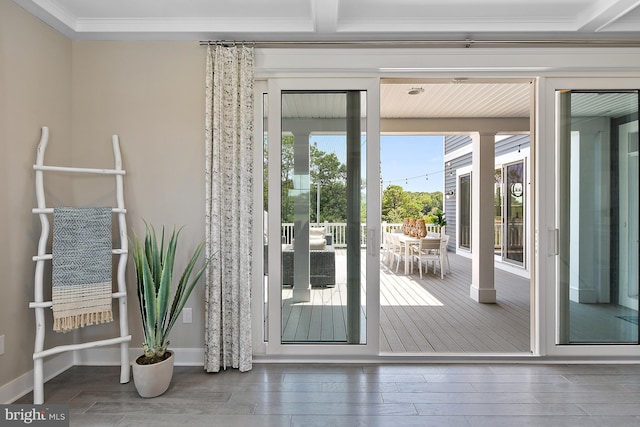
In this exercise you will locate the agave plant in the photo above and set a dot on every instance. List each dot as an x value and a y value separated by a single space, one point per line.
159 305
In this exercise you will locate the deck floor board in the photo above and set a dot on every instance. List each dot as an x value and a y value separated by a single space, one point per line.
428 315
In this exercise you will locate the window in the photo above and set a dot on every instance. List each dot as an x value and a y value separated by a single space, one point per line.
464 229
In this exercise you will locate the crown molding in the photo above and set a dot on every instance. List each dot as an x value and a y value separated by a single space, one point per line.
193 25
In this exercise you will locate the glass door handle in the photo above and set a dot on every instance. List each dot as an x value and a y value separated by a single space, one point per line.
553 241
373 244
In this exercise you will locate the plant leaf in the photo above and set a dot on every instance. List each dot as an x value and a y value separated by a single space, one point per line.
185 290
154 264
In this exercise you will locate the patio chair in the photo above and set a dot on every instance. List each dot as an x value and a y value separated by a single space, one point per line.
431 250
397 250
386 246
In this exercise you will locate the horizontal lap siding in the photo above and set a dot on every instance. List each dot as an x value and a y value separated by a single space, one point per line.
450 180
456 142
511 144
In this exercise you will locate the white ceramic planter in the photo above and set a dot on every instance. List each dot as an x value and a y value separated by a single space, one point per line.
153 380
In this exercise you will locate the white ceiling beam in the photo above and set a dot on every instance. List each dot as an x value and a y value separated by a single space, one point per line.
52 14
325 16
604 13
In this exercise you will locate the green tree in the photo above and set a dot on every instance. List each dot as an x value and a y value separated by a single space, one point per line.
430 201
325 169
398 204
331 174
286 177
394 200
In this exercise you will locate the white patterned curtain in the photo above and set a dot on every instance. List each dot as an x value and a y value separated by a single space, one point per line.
229 189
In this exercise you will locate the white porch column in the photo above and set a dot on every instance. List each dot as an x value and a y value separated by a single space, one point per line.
301 191
482 179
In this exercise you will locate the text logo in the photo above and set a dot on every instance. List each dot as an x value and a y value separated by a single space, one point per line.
34 415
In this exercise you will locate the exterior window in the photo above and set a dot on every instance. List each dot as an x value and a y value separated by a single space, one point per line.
514 220
464 230
497 212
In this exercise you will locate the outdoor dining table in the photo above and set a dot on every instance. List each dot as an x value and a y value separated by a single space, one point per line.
408 242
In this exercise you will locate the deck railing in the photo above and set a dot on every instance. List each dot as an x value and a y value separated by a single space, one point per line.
338 231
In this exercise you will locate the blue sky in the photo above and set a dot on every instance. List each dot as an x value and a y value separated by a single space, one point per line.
405 160
408 160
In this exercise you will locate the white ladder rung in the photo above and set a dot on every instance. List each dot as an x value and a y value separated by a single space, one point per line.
50 210
44 304
49 256
79 170
47 304
70 347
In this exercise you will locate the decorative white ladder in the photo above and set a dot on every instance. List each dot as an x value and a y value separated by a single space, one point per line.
39 304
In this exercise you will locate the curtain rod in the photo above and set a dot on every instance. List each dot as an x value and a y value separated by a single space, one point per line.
426 43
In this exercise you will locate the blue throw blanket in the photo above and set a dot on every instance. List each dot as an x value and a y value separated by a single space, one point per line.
81 267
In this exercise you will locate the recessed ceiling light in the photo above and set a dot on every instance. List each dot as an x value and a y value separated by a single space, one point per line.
415 91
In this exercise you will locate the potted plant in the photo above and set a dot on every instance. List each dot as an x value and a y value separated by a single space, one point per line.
439 219
160 306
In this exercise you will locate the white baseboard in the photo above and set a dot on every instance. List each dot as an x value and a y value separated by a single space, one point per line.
53 366
111 356
584 296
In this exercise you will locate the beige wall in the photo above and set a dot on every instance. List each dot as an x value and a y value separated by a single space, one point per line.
152 95
35 91
149 93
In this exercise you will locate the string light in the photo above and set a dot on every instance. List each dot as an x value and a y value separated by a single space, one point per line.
410 178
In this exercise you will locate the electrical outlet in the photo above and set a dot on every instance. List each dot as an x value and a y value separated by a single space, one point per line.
1 344
187 315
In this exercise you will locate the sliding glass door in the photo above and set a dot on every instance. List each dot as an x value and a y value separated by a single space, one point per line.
322 143
598 216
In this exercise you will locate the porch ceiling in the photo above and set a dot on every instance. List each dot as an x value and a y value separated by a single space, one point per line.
456 99
472 99
435 100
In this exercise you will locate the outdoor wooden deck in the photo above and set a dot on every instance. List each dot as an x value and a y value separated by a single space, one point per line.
429 315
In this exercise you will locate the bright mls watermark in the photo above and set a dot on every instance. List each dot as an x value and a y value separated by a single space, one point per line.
34 415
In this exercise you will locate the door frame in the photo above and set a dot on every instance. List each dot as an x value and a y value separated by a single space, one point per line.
274 346
547 268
